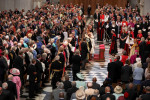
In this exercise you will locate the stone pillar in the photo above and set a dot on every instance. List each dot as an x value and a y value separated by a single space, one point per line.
6 5
24 4
142 7
37 3
146 7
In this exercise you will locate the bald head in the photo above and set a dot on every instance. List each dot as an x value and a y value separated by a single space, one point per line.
94 79
10 77
89 85
5 85
107 89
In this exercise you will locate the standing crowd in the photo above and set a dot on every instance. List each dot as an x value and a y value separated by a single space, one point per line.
39 45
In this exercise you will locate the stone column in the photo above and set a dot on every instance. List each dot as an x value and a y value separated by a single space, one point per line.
24 4
146 7
142 7
38 3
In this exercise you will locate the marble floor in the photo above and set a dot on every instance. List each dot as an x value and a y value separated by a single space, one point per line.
95 69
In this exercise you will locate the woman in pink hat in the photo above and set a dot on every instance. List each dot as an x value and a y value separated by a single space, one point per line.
16 79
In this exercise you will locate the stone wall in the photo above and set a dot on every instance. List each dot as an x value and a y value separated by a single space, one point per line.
20 4
146 7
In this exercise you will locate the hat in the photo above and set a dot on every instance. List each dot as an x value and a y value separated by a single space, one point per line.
118 89
80 94
80 76
15 71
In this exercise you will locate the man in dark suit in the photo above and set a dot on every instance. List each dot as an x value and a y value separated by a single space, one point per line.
32 75
12 56
61 57
145 83
89 10
112 71
84 51
96 18
6 92
126 73
3 96
39 70
76 61
119 65
67 83
3 66
18 63
107 95
132 92
147 95
12 87
95 85
71 90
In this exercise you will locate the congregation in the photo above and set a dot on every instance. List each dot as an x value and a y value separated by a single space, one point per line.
38 46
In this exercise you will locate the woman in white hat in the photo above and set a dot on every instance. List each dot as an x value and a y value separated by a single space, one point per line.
118 92
79 94
138 73
16 79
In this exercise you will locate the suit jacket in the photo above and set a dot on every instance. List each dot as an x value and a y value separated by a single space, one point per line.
76 60
145 96
67 85
112 71
3 96
84 50
112 97
18 63
96 86
132 94
144 84
97 16
3 64
12 89
31 71
62 59
70 91
39 68
119 65
7 94
126 73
